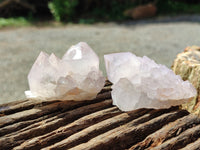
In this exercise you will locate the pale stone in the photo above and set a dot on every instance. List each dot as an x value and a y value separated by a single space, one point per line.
141 83
187 65
74 77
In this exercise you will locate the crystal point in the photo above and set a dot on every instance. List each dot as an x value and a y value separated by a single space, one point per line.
141 83
74 77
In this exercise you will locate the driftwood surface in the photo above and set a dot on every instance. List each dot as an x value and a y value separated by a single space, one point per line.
95 124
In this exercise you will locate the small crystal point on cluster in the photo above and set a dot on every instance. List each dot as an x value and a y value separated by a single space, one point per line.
74 77
141 83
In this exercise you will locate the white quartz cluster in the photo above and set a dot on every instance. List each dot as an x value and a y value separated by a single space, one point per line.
141 83
74 77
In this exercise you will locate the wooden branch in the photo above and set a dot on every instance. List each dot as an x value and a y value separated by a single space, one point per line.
94 124
36 112
19 126
12 103
169 131
178 142
17 106
50 124
192 146
92 131
99 129
41 111
66 131
127 135
22 105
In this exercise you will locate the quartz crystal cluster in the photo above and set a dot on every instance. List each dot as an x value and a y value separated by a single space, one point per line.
74 77
141 83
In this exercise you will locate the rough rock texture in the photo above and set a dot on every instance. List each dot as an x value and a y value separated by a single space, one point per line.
187 65
141 83
74 77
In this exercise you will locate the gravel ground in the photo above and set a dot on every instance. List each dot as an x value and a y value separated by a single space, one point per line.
160 39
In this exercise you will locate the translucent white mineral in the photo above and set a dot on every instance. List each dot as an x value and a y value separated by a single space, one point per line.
74 77
141 83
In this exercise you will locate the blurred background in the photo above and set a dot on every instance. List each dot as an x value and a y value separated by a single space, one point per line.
158 29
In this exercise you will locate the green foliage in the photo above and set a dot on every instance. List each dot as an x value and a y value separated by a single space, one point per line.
175 7
90 11
87 21
13 22
86 11
63 10
111 10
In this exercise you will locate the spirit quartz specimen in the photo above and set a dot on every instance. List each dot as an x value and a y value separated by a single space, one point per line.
74 77
141 83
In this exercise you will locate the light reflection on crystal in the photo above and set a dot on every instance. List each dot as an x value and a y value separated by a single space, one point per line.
141 83
74 77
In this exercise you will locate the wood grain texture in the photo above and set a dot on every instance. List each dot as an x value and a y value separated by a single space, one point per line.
94 124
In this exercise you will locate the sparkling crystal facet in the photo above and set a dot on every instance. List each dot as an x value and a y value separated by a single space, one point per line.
74 77
141 83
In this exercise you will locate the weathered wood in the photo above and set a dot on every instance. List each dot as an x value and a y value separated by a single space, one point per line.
21 125
115 136
106 89
50 124
107 83
17 106
94 130
12 103
94 124
193 146
23 105
167 132
66 131
36 112
178 142
41 111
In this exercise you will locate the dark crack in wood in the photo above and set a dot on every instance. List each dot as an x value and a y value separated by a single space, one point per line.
171 130
129 134
50 124
180 141
66 131
193 146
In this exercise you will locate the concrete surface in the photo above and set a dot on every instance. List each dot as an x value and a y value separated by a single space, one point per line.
161 40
